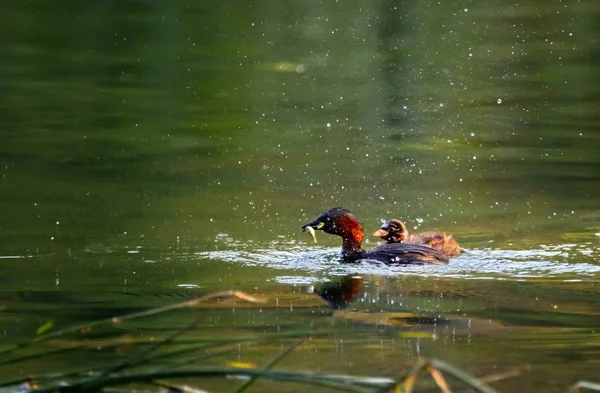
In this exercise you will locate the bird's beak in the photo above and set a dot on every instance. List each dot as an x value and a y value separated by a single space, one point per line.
380 233
311 227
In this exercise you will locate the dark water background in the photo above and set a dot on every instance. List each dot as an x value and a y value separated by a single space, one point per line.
155 151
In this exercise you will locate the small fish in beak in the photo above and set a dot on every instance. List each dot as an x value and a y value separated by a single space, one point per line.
311 231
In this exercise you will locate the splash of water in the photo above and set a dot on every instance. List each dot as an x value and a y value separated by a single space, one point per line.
562 261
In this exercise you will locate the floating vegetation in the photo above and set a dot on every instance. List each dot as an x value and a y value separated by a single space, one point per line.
170 364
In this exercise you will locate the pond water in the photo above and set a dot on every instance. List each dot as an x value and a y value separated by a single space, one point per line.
153 152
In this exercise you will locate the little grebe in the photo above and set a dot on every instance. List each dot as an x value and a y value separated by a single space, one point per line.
341 222
395 231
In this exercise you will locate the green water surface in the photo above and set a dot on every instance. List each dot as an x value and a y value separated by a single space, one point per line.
154 151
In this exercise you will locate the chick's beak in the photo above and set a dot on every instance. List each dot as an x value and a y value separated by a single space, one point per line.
380 233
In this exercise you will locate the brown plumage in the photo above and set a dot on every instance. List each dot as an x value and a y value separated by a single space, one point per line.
341 222
394 231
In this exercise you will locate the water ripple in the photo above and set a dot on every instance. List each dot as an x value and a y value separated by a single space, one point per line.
543 262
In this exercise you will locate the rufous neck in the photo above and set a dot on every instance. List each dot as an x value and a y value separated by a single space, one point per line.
352 235
351 244
351 249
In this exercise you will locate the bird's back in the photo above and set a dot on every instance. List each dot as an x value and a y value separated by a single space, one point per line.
438 240
406 253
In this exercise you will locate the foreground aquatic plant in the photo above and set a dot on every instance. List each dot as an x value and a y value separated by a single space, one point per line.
158 377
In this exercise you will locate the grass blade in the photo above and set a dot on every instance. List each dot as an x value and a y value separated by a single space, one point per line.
272 362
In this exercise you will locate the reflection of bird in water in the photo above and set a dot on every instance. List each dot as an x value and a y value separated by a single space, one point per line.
341 222
394 231
339 294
